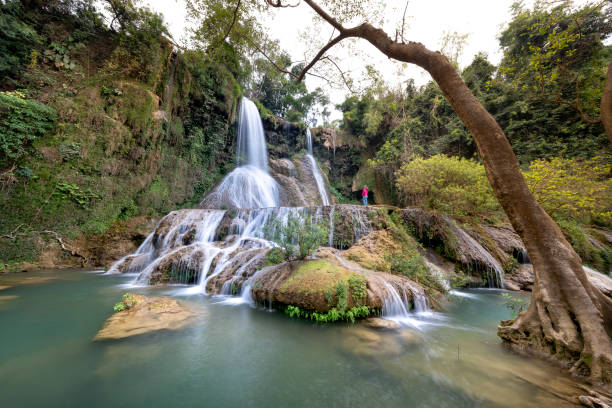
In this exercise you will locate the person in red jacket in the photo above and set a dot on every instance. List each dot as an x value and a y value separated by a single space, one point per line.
364 195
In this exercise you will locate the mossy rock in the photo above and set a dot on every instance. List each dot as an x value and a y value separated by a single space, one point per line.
316 285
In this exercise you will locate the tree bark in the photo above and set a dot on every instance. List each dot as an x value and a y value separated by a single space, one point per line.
568 318
606 104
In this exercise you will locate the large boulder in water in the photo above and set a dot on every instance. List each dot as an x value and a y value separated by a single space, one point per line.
145 315
311 285
320 284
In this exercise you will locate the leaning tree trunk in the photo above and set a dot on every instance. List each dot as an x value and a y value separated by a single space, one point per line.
568 318
606 104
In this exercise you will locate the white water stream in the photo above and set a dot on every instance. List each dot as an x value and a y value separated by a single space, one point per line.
316 171
249 185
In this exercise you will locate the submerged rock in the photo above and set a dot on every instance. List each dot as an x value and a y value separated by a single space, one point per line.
364 342
381 324
148 314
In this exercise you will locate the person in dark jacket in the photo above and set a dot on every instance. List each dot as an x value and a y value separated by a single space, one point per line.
364 195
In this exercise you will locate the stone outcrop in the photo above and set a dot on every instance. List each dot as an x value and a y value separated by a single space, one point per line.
296 178
522 279
148 314
313 285
440 231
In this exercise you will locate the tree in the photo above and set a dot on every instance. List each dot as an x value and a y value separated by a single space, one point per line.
568 317
558 55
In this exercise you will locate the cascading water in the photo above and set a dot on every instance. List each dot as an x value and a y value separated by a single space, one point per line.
249 185
222 251
315 170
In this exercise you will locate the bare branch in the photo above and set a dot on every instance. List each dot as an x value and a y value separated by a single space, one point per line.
278 67
404 22
279 4
334 23
346 82
320 54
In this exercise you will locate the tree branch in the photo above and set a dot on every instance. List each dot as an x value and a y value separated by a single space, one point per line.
404 22
344 79
320 54
229 30
271 61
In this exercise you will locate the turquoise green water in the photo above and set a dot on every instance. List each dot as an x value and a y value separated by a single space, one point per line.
235 356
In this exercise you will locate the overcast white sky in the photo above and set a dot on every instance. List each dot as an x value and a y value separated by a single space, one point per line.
427 20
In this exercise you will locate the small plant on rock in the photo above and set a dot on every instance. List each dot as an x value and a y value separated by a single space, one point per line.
299 237
127 302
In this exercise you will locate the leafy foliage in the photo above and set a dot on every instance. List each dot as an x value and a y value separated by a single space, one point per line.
333 315
127 302
515 303
572 189
21 121
17 39
298 238
557 53
452 185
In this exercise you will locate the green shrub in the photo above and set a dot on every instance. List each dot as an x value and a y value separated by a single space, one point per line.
17 39
572 189
127 302
413 267
515 304
452 185
298 238
359 290
460 279
21 121
274 257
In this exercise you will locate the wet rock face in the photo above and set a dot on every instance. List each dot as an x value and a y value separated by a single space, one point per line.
523 277
243 265
181 266
437 230
148 314
297 181
283 166
283 138
342 160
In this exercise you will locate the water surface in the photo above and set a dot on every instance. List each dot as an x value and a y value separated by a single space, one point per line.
236 356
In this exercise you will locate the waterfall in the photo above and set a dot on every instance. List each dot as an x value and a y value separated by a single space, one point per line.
316 172
219 251
251 138
249 185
